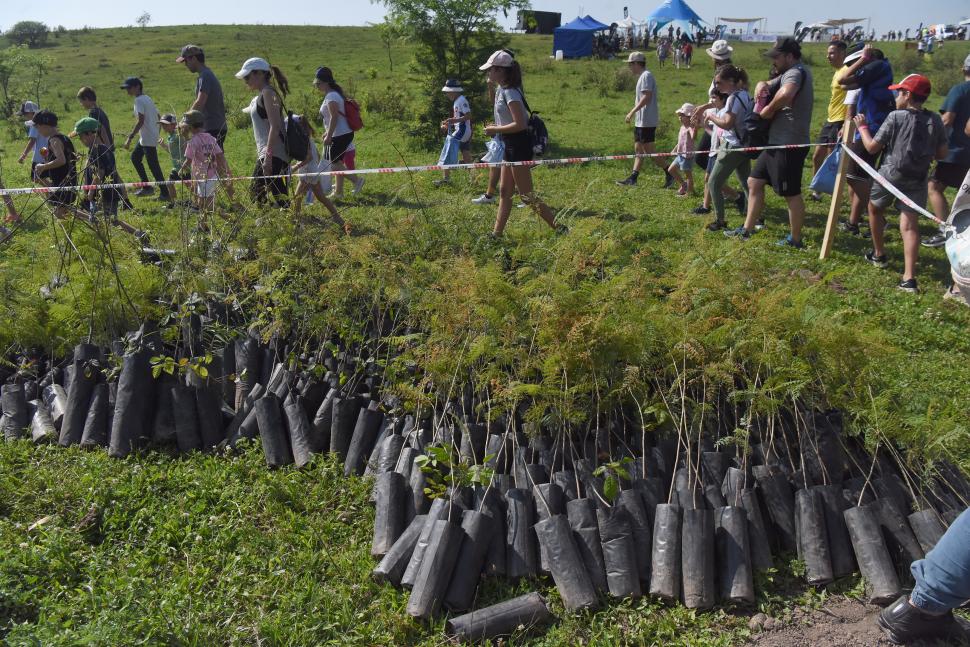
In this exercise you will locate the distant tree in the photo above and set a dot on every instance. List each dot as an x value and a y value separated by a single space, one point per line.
28 32
453 38
33 69
60 31
389 32
9 65
144 20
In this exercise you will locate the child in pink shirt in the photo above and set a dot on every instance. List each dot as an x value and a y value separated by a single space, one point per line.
207 161
684 162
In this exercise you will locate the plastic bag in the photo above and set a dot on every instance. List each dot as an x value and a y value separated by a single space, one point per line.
824 180
495 151
449 152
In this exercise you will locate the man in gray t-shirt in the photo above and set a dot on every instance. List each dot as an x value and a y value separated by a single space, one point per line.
208 93
790 113
645 116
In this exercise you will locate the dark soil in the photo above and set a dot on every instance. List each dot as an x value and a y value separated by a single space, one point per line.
840 622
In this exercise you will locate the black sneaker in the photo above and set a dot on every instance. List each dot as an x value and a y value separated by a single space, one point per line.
145 191
741 202
701 210
849 228
740 233
878 261
630 181
908 286
904 623
788 241
937 240
668 180
717 225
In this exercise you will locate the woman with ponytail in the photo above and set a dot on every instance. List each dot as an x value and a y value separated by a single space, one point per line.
338 135
266 112
512 124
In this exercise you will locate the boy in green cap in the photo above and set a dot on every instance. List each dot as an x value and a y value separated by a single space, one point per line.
100 166
171 139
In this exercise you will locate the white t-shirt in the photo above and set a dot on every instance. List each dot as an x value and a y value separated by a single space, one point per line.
648 116
148 133
462 131
739 103
342 128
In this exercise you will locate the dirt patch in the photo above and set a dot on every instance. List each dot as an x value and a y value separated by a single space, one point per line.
840 622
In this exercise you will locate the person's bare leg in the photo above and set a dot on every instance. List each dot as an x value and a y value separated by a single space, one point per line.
523 183
937 199
690 181
504 201
707 191
756 202
640 149
327 203
860 198
338 184
298 196
494 173
675 172
821 152
660 162
877 223
909 229
796 215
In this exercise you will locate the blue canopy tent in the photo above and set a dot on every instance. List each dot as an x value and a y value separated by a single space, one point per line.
575 38
673 12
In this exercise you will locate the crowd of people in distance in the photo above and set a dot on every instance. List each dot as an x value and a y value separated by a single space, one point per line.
894 133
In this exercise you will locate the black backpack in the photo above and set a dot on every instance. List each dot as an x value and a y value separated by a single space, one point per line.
536 128
296 142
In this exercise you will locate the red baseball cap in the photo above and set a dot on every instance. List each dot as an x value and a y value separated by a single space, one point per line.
915 83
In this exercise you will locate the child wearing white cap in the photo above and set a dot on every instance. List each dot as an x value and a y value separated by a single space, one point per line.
459 125
684 151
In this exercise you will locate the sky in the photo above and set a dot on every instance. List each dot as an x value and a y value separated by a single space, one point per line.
885 14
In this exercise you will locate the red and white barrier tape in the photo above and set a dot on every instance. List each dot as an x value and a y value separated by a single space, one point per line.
886 184
386 170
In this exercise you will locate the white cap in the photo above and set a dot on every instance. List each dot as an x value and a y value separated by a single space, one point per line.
252 65
28 106
686 109
636 57
501 58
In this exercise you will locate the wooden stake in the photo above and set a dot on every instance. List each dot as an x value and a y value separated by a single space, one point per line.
848 131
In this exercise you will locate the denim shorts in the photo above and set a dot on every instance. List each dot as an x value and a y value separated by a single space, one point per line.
684 163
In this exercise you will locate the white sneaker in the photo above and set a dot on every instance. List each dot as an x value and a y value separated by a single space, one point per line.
521 205
358 185
483 199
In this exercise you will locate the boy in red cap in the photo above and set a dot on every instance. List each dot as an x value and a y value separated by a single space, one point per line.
912 137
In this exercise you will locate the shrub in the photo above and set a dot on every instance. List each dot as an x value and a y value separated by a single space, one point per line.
29 32
393 102
623 80
908 62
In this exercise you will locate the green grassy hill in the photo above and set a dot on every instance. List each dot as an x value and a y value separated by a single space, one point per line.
209 551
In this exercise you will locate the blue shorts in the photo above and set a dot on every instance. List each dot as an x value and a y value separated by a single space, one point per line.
684 163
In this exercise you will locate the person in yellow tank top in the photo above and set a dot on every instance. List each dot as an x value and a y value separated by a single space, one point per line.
835 115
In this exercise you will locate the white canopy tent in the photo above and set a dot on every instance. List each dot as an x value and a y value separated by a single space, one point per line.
750 24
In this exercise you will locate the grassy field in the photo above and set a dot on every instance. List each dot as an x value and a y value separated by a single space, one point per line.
205 550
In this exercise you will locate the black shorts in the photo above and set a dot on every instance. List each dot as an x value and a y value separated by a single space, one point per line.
643 135
338 146
853 170
276 186
782 168
950 174
829 133
518 146
702 158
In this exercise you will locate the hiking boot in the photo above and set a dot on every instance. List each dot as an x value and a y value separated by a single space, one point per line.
483 199
936 240
740 233
909 286
668 180
628 181
904 623
741 202
717 225
701 210
145 191
878 261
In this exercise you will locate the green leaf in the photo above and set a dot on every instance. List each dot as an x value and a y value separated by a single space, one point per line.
611 488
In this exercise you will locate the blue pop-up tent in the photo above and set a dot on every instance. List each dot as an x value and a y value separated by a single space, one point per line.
674 11
575 38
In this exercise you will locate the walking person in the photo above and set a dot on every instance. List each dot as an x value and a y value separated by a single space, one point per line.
645 116
338 135
35 141
835 116
88 99
208 93
458 127
58 168
732 83
511 113
951 170
146 128
266 113
308 182
790 114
